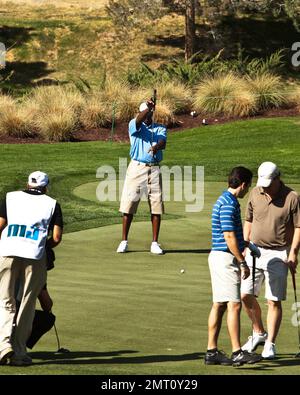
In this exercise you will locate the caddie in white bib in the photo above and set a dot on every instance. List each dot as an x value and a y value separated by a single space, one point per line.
28 219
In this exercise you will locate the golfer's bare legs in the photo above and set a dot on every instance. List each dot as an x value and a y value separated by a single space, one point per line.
127 219
233 324
254 312
215 323
155 219
273 319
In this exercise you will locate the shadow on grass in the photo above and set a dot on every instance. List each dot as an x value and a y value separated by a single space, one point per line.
22 74
281 361
15 36
196 251
93 357
188 251
259 37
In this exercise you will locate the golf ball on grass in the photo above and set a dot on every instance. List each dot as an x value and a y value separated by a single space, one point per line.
182 271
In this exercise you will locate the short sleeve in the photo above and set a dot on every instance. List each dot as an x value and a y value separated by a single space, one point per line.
57 217
227 214
296 211
132 127
249 210
162 133
3 213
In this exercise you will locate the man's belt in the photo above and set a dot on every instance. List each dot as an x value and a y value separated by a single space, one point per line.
149 164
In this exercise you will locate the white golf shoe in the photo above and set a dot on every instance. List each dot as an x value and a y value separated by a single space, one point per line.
269 351
156 249
123 246
254 341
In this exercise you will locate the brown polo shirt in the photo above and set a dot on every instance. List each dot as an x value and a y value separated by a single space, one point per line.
273 220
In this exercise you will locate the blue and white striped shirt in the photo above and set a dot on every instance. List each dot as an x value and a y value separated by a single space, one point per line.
226 217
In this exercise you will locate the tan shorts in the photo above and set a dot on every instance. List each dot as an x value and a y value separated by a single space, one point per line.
271 270
225 277
142 180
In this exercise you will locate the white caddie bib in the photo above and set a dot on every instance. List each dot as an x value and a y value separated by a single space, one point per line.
28 219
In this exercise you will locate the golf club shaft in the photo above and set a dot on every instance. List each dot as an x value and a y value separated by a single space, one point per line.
296 303
58 343
253 291
154 102
154 98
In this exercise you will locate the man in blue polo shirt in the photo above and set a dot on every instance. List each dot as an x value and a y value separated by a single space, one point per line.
227 265
147 140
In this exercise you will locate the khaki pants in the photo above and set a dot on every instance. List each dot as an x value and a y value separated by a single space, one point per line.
31 275
142 180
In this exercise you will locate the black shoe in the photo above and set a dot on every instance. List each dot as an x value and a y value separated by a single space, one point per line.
217 358
245 357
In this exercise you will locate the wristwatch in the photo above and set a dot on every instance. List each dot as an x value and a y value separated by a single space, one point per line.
243 264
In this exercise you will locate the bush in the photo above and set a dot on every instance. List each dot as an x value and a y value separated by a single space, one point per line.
224 95
15 120
95 113
56 111
293 96
164 114
177 95
268 91
119 94
197 69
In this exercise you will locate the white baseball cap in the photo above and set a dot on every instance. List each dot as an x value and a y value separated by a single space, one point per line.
143 107
267 171
38 179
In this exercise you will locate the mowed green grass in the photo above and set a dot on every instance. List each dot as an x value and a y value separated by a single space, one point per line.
136 313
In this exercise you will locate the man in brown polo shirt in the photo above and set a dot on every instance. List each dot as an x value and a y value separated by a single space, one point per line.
273 223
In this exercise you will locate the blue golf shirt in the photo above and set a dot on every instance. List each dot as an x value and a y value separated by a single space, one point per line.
141 140
226 217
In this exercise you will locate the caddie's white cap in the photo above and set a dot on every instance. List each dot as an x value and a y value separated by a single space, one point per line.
143 107
267 171
38 179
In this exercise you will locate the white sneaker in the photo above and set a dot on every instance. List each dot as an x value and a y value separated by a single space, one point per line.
155 248
5 355
254 341
123 246
269 351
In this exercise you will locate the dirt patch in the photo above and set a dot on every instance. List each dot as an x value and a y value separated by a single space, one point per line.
120 131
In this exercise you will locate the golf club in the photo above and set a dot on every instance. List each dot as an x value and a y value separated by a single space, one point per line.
297 311
154 101
255 253
254 250
253 284
60 350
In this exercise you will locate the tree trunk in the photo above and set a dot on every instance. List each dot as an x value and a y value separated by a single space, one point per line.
190 29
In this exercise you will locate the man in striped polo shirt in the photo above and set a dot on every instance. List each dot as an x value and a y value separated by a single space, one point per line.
227 265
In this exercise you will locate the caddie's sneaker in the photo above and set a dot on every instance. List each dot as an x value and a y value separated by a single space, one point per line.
217 358
5 354
254 341
123 246
244 357
18 360
155 248
269 351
